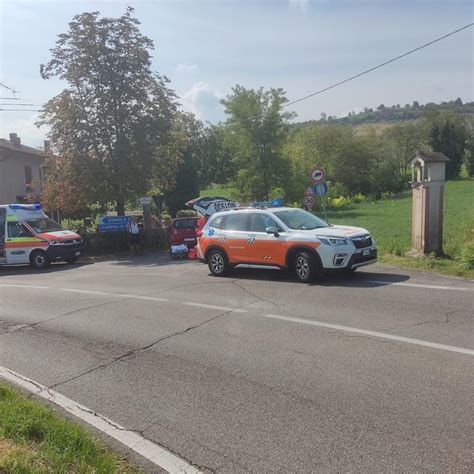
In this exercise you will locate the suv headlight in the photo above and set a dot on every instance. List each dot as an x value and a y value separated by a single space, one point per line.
55 242
332 240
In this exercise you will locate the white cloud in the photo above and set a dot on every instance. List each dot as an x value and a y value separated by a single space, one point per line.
299 4
24 127
187 68
204 102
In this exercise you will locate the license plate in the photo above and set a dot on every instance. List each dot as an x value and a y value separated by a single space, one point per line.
366 252
77 254
192 239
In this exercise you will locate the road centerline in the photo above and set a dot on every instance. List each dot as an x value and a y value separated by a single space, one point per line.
366 332
211 306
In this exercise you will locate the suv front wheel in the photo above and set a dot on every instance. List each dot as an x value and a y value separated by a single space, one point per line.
306 267
217 263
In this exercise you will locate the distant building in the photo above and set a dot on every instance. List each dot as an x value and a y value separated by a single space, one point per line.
21 170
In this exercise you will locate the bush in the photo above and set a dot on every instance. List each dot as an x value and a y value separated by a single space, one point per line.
186 213
339 202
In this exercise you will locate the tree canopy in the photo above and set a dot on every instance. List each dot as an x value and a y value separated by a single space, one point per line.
114 118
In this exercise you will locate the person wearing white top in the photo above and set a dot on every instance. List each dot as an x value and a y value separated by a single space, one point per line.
134 233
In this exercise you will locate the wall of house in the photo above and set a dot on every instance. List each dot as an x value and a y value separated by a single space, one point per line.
12 174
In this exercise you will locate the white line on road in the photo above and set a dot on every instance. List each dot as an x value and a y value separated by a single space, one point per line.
220 308
118 295
24 286
365 332
417 285
149 450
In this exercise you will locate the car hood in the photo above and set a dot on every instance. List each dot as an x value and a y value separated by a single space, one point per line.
341 231
60 235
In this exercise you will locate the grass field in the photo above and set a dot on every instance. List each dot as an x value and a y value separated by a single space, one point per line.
390 223
33 439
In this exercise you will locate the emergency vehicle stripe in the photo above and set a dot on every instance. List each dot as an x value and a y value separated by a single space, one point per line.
29 243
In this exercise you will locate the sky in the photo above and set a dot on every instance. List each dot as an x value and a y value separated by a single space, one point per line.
207 47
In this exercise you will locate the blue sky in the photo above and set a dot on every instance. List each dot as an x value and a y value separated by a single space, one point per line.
206 47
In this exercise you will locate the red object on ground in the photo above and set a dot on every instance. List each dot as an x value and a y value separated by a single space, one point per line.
192 254
183 231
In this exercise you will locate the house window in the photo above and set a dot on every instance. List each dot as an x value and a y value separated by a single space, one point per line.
28 176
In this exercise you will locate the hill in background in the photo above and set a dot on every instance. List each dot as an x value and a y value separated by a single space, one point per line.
391 114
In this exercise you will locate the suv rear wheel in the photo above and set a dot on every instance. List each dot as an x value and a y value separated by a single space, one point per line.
306 267
217 263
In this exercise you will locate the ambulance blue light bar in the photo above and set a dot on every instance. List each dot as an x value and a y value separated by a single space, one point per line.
25 207
278 202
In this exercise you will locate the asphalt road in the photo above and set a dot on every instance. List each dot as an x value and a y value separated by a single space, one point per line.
277 376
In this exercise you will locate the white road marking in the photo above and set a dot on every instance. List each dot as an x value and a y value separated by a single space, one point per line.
149 450
418 285
119 295
211 306
24 286
365 332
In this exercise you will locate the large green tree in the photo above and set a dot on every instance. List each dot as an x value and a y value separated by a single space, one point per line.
256 130
114 118
447 133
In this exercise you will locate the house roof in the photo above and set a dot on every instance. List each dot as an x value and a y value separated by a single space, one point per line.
432 156
7 144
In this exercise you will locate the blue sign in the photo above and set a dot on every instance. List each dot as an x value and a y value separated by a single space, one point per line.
113 223
320 189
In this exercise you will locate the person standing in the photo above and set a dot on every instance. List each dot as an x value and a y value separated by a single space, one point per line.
134 233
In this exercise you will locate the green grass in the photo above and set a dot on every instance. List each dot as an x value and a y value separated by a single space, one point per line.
227 191
34 439
389 221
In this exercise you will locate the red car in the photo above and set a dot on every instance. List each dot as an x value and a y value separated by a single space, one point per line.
183 231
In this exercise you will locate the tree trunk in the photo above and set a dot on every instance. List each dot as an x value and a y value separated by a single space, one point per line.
120 207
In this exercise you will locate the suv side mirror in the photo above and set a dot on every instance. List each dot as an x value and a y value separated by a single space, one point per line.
273 230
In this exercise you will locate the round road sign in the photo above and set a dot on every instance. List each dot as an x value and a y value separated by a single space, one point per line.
317 175
309 201
320 189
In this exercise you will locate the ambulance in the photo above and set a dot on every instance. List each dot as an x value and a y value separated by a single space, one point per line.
29 236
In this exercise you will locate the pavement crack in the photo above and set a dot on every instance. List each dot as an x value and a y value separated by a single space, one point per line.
31 325
134 352
254 295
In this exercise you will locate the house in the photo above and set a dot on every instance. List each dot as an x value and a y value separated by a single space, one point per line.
21 170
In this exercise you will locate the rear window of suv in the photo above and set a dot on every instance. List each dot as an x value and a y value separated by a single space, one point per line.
185 224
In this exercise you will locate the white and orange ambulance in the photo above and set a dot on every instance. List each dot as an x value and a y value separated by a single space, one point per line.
29 236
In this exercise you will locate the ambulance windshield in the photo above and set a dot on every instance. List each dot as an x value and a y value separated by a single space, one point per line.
44 224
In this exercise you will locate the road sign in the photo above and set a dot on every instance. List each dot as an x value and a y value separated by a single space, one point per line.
113 223
145 200
309 191
317 175
309 201
320 189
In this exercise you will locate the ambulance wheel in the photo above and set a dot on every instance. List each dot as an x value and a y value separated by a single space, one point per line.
39 260
217 263
71 260
306 267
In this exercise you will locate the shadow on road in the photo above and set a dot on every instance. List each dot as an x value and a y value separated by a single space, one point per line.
18 270
354 280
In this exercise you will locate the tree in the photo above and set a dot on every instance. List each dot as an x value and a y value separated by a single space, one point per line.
448 134
381 107
256 131
113 121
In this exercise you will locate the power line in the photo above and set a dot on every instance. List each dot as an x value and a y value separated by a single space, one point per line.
378 66
20 110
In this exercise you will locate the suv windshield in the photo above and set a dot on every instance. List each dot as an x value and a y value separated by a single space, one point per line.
44 225
299 219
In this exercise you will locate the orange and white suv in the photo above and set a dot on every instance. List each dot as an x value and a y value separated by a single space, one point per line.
283 238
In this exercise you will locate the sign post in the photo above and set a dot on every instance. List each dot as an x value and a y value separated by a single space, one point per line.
146 206
309 202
